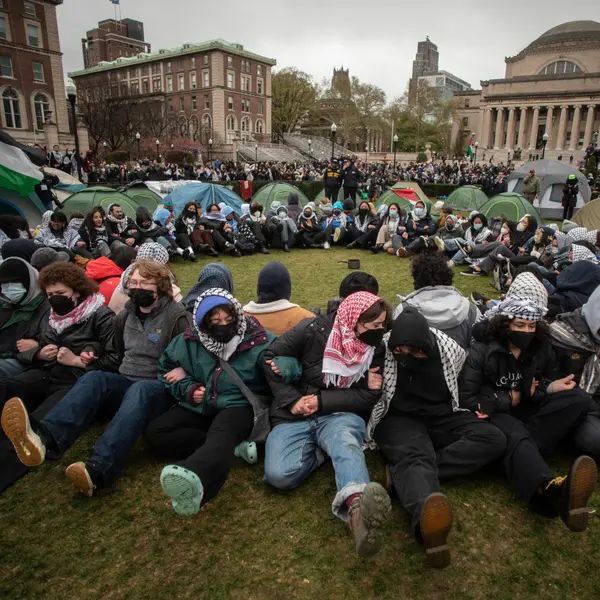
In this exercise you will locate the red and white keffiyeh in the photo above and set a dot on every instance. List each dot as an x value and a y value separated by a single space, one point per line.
346 359
82 312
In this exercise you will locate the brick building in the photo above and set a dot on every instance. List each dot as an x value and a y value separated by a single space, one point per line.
113 39
216 88
33 105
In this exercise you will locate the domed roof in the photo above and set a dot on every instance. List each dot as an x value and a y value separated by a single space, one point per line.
573 31
572 27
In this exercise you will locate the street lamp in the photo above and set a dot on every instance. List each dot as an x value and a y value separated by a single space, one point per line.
475 155
366 154
544 142
72 98
104 145
137 137
309 150
210 143
255 153
333 130
395 144
157 155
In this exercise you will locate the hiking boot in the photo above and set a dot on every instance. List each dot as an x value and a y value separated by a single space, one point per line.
84 478
336 235
403 253
377 248
435 525
29 447
366 517
247 451
439 242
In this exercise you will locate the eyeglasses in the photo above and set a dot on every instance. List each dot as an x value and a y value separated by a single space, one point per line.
142 285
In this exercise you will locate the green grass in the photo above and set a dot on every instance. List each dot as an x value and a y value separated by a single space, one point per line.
255 543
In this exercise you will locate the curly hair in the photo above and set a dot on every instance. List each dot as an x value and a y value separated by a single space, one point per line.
430 269
68 274
157 272
498 329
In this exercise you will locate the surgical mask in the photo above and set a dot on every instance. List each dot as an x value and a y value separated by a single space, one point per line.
520 227
257 213
521 339
142 298
504 231
419 212
282 215
393 214
477 226
61 305
554 250
14 292
222 333
371 337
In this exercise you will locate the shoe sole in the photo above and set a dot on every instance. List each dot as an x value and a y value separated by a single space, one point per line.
184 488
248 454
80 478
582 483
336 235
375 511
436 523
16 425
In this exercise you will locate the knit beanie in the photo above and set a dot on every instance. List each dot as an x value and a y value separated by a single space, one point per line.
358 281
207 305
46 256
274 283
348 204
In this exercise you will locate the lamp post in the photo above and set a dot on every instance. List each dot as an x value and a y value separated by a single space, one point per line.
255 153
309 150
72 98
395 144
104 145
157 146
210 143
137 137
333 130
544 142
475 155
366 154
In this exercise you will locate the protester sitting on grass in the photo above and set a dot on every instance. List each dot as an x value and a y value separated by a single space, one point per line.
120 227
256 221
132 397
419 228
512 379
94 237
421 431
273 309
341 355
57 235
573 287
393 223
213 418
214 221
365 227
152 232
281 229
476 234
336 226
310 234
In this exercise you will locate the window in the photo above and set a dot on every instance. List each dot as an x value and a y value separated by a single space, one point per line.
561 67
194 126
467 103
194 103
181 104
29 9
6 69
155 69
259 107
181 79
145 86
230 62
135 87
157 84
230 104
180 64
168 66
124 88
205 59
145 70
33 35
465 122
169 83
206 122
206 101
260 126
259 70
3 28
230 80
12 110
259 87
246 126
38 72
42 108
205 79
193 62
193 80
231 123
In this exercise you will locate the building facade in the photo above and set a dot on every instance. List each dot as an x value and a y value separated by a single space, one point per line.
552 86
426 61
113 39
33 104
447 83
215 87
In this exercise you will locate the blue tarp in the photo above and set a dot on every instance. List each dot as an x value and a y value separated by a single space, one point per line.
205 194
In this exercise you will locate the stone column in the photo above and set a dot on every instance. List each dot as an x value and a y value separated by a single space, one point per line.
549 126
522 141
574 143
510 132
589 126
487 123
534 128
499 129
562 127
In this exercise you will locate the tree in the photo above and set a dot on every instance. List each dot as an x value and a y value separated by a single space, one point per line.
294 94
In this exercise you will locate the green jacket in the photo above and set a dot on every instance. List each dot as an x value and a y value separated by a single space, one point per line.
202 368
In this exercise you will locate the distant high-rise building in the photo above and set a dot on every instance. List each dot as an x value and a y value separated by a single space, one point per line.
426 61
113 39
447 83
340 81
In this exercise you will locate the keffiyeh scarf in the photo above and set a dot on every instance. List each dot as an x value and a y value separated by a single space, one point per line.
121 224
582 253
82 312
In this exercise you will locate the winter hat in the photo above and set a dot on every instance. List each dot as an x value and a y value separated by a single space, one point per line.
46 256
274 283
293 199
359 281
568 226
15 269
275 205
153 251
20 248
207 304
338 205
215 275
348 204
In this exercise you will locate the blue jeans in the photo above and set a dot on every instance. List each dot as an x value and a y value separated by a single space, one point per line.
9 367
453 244
132 405
293 452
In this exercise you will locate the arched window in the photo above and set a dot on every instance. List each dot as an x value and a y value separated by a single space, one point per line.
260 126
42 108
231 123
560 67
246 127
206 122
183 127
194 127
12 109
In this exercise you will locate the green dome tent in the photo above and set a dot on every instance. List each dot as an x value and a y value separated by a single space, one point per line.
513 206
87 199
466 198
142 195
278 190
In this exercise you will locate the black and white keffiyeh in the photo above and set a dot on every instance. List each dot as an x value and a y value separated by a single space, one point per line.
453 358
527 299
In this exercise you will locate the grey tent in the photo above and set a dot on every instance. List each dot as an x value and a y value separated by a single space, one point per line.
553 176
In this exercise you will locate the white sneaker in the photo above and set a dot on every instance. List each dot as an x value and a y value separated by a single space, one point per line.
439 242
179 251
451 264
326 246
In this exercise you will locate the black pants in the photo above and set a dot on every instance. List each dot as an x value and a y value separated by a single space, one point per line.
344 235
350 192
306 238
367 239
532 430
568 212
257 231
222 239
204 444
421 452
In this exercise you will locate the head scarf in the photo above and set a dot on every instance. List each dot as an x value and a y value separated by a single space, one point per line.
582 253
578 233
346 359
527 298
46 219
153 251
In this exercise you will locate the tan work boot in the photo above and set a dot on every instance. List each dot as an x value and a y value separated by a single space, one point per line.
435 524
366 517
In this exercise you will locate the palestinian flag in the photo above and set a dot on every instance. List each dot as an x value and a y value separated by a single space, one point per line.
17 171
471 147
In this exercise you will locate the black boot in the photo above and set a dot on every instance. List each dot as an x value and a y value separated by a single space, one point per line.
286 248
351 246
212 252
263 249
376 249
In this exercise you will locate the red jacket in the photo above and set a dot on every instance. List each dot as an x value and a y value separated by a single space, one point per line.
107 274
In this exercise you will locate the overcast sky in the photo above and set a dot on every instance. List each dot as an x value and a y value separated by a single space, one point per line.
377 41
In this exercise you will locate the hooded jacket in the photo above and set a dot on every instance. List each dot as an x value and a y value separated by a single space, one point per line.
213 275
294 209
142 215
416 227
448 234
24 319
106 274
574 286
520 238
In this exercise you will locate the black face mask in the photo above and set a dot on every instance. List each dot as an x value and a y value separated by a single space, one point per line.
222 333
412 363
371 337
363 211
61 305
521 339
190 214
142 298
337 213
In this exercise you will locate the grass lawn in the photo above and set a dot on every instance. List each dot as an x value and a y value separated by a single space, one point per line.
253 542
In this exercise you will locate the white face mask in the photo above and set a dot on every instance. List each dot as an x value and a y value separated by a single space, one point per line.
419 212
504 231
14 292
520 227
257 213
282 215
554 250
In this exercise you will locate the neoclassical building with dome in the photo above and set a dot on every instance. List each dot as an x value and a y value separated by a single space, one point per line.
553 86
